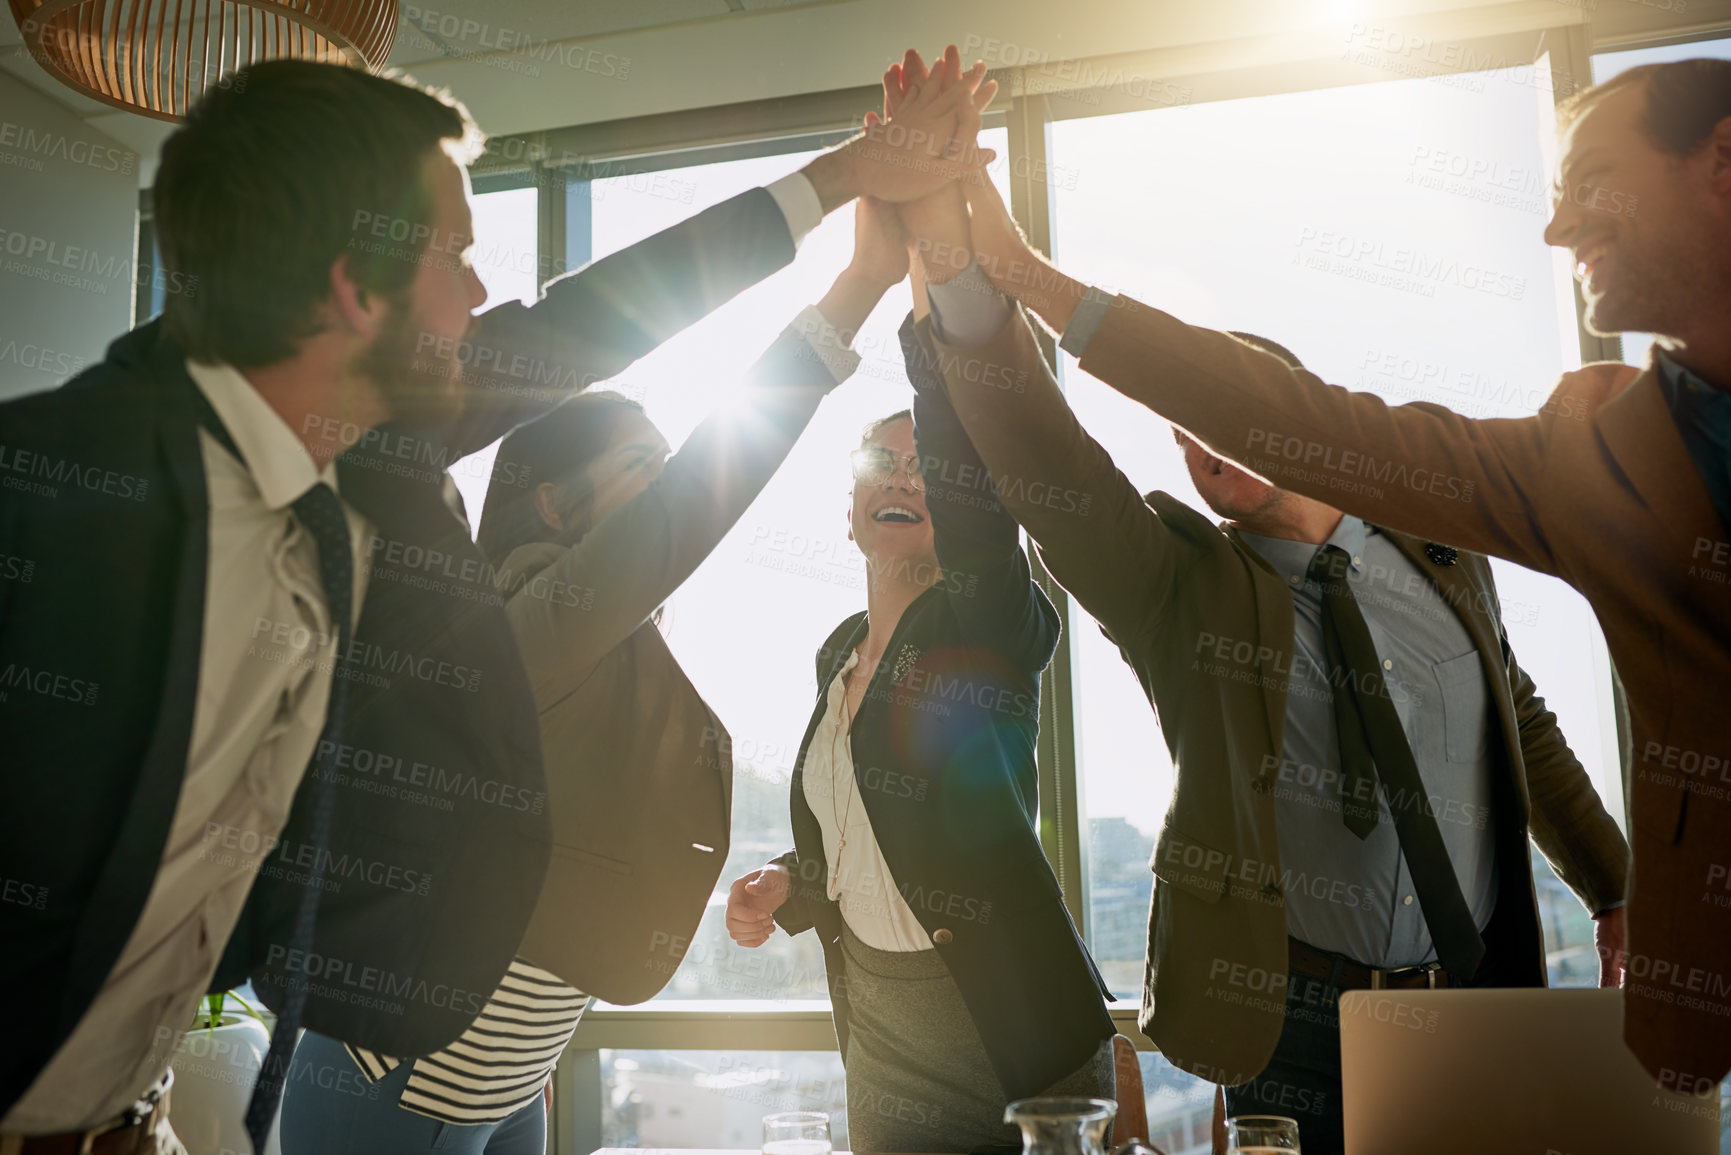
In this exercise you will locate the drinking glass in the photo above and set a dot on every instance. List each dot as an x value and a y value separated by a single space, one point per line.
1261 1135
796 1133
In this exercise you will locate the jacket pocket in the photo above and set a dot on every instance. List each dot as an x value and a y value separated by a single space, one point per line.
1466 707
589 858
1193 867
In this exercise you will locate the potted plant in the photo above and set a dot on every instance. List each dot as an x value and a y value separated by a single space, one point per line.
216 1062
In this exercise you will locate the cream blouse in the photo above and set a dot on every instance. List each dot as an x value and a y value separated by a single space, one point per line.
859 881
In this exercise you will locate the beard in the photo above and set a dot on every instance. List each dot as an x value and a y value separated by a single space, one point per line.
1656 284
419 387
1241 506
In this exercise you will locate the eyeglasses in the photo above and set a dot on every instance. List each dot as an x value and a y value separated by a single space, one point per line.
875 466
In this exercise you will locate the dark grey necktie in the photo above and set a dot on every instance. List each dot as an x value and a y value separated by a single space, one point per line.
1373 744
321 514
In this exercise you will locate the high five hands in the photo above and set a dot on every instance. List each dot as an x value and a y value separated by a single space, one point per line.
928 141
965 219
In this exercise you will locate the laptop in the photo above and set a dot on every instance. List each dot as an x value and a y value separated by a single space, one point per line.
1509 1072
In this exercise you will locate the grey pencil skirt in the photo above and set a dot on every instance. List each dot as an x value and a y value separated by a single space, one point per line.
918 1078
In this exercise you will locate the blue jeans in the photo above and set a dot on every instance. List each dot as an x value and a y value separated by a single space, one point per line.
329 1108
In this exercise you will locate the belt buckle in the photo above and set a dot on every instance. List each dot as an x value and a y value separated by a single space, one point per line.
1379 978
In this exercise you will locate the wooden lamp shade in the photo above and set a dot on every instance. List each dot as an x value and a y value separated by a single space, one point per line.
155 57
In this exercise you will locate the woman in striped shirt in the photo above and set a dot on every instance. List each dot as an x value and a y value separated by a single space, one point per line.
593 525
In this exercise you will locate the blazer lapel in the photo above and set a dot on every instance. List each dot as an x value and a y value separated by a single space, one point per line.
1640 432
1274 628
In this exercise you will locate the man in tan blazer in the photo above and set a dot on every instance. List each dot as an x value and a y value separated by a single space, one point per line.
1619 485
1266 904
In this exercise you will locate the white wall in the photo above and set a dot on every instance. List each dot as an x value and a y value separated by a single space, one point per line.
68 229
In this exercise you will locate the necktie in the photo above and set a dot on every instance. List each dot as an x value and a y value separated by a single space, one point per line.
320 514
1373 744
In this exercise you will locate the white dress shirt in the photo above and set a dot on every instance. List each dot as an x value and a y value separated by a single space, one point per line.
263 684
859 881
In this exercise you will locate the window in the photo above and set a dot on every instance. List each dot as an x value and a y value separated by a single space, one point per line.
675 1099
1333 222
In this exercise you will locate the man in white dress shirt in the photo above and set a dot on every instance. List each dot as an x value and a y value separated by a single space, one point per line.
170 663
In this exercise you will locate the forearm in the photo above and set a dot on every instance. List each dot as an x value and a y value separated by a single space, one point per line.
592 324
1039 285
1096 534
835 178
608 584
851 299
1417 467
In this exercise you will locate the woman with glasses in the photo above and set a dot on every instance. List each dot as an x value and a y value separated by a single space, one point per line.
592 524
957 980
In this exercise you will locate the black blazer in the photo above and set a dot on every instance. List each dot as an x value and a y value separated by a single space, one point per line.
944 754
103 556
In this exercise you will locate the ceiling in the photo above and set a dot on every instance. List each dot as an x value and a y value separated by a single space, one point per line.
528 65
467 33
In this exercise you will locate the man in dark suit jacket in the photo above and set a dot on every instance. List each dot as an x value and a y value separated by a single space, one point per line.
202 586
1620 485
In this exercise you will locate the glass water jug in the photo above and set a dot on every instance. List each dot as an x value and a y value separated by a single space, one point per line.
1069 1127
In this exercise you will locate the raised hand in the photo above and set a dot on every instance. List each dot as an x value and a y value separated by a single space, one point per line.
929 141
880 243
937 223
752 902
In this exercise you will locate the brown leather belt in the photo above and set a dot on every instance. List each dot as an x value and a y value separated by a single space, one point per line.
1315 963
132 1132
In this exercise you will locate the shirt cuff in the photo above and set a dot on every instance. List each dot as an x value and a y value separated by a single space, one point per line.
798 203
1610 906
826 342
967 309
1084 321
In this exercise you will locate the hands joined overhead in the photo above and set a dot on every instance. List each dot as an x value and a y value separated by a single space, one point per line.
921 176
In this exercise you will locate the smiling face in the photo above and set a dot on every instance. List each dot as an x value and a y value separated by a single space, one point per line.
1646 231
889 520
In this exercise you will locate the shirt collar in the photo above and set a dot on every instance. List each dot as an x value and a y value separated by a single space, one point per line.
279 463
1679 381
1291 559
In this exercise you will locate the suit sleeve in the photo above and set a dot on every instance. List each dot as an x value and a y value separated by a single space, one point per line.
590 325
1420 467
1094 531
986 574
1569 823
589 601
794 915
